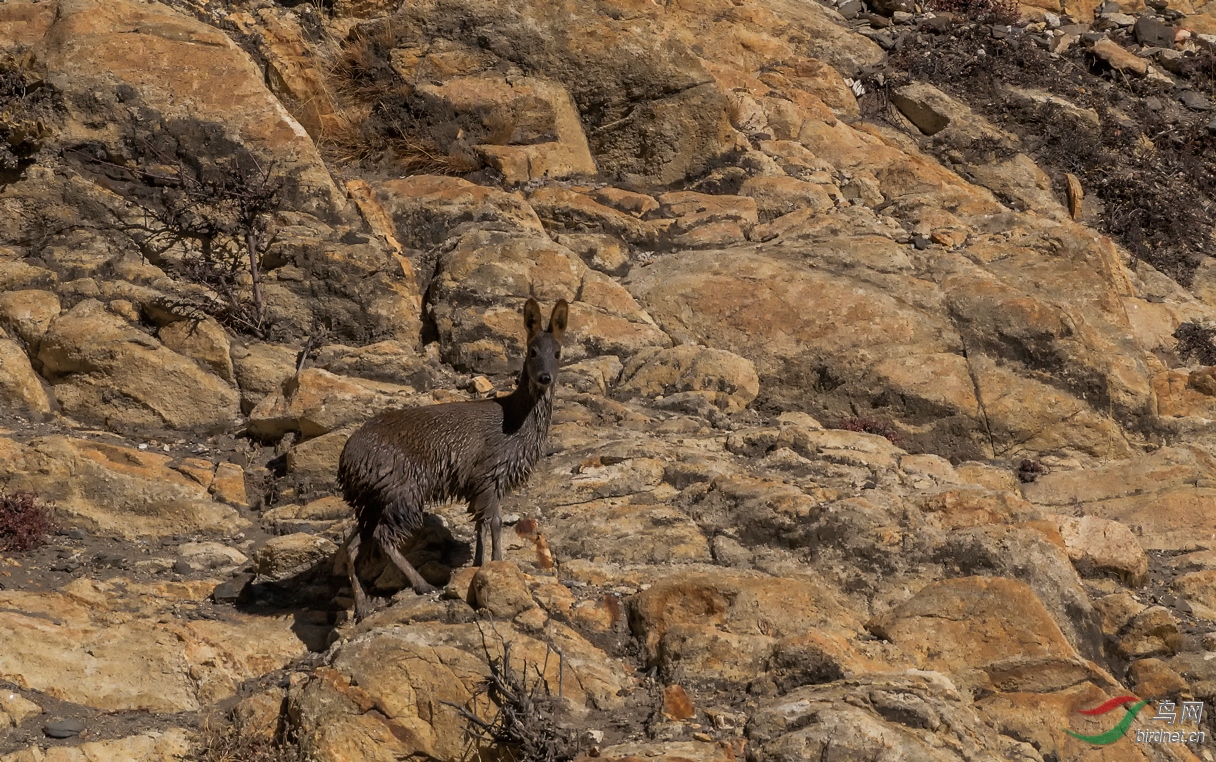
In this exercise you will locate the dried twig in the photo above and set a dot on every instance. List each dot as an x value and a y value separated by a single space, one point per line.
524 726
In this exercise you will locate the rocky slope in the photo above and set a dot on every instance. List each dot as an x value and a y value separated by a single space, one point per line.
874 440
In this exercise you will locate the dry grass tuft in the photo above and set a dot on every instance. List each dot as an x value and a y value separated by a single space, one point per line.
525 728
235 743
375 121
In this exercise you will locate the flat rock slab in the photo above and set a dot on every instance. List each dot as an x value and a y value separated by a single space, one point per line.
113 646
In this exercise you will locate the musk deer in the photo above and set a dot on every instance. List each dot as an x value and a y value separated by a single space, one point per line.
476 451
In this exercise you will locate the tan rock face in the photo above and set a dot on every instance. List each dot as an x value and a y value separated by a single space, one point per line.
993 625
91 48
294 72
517 115
282 556
723 378
20 387
1101 544
906 715
105 370
427 209
506 269
28 314
317 402
112 490
406 674
204 341
728 625
677 119
91 643
1165 498
170 744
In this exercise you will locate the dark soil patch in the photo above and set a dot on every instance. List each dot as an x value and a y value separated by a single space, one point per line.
1154 171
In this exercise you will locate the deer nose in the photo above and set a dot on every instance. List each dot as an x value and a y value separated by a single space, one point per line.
545 379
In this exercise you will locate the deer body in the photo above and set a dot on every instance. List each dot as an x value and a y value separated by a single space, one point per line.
475 451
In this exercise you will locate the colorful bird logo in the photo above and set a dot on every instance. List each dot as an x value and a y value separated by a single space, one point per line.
1119 730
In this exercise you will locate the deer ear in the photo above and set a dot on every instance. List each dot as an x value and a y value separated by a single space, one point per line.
557 321
532 318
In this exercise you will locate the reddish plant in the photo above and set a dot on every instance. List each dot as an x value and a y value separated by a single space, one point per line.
870 426
24 522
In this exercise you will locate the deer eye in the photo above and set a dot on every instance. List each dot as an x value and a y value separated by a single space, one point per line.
532 352
557 355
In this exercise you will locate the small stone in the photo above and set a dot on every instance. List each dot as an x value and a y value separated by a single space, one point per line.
1152 632
1076 194
65 728
228 485
499 587
1151 32
17 707
1194 101
677 704
921 242
937 24
924 107
884 41
878 21
234 590
1119 57
482 385
850 9
283 556
1171 60
899 17
182 566
1153 103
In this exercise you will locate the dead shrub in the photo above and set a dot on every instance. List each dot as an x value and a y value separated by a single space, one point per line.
25 522
1155 178
236 743
870 426
27 104
1194 341
525 728
208 222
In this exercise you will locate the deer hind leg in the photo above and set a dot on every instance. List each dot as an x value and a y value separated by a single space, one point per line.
420 585
362 607
479 508
494 519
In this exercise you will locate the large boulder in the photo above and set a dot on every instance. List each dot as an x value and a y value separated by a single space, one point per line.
486 276
114 490
106 371
653 114
120 64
